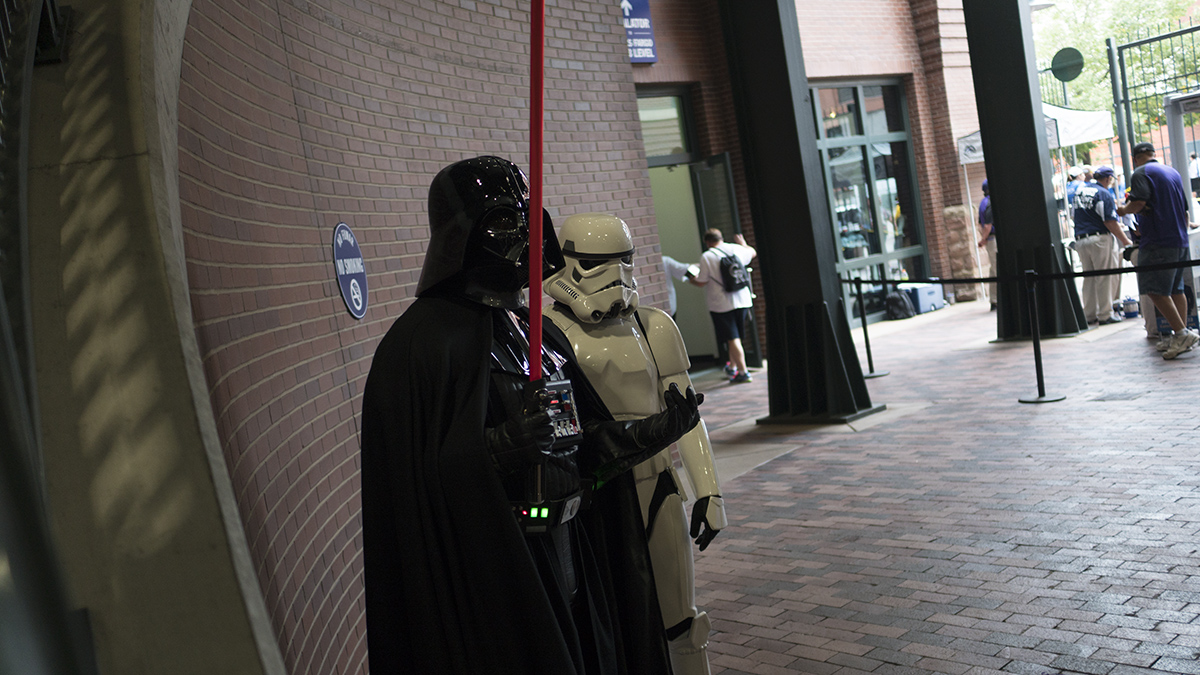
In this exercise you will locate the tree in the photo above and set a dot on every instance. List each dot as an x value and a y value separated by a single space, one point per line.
1085 26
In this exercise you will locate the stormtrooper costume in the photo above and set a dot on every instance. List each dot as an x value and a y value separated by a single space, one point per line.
632 357
457 579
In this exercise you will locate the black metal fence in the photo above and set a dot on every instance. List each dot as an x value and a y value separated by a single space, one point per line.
1156 62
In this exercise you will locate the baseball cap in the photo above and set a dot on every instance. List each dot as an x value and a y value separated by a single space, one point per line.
1102 171
1074 171
1142 148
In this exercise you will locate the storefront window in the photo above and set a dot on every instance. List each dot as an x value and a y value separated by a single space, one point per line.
866 155
883 110
857 233
839 112
894 196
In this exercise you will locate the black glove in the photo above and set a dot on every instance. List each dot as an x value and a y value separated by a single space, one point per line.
611 448
1127 253
700 522
664 428
520 442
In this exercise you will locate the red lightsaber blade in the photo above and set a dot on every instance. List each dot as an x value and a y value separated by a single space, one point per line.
536 59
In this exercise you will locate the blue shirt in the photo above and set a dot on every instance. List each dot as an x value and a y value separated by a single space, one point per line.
1072 188
1093 206
985 215
1163 221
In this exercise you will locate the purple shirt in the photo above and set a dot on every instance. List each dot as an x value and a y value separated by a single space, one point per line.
1163 221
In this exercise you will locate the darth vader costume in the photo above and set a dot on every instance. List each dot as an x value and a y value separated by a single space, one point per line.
454 444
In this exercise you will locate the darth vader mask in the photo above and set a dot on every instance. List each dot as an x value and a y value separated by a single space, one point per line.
479 233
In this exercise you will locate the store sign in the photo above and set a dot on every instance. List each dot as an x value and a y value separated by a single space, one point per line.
351 274
639 34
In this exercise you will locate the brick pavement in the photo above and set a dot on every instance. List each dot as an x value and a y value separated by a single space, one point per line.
963 532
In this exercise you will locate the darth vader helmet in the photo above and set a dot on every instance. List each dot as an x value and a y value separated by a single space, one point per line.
479 233
597 282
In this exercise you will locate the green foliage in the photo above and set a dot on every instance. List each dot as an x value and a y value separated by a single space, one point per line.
1085 25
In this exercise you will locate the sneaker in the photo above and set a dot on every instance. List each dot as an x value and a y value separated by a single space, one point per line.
730 370
741 378
1111 319
1180 343
1163 343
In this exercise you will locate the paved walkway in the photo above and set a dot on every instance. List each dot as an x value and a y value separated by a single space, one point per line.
961 531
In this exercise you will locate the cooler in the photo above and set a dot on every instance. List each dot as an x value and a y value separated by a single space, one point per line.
924 297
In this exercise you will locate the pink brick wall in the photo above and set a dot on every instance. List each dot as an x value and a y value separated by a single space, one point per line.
299 114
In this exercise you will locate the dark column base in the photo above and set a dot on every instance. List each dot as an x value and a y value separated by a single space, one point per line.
823 380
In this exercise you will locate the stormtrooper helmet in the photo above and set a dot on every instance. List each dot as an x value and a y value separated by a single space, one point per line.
597 281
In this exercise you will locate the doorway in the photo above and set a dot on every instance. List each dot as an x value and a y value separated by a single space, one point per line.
690 195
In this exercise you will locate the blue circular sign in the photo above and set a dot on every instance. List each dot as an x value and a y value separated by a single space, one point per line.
351 275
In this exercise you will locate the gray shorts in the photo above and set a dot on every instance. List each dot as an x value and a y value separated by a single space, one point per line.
1161 282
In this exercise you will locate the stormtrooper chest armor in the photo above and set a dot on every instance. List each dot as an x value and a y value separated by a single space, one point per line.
615 355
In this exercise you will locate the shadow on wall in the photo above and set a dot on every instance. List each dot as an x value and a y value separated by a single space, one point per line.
130 491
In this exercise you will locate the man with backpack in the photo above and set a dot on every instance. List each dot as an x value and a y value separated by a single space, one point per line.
726 283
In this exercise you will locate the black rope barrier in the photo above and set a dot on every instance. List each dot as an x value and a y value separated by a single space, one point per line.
1031 279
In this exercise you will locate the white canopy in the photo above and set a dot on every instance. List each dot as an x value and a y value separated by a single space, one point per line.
1064 127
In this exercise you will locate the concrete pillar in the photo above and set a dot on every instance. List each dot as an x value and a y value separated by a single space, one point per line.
139 494
1017 155
813 369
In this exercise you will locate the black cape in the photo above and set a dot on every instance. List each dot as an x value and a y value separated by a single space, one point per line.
451 586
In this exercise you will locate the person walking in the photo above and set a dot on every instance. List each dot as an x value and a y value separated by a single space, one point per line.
1096 234
727 307
1157 196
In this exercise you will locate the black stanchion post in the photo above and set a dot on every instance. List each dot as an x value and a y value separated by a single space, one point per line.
1035 328
862 317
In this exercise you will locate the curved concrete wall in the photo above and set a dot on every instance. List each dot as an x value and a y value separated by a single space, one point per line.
147 532
295 115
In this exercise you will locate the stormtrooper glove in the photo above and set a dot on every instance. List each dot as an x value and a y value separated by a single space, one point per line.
708 518
616 447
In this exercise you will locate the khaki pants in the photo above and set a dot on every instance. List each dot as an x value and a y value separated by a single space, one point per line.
993 270
1097 253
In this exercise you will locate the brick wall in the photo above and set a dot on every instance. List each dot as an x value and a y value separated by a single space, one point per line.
296 115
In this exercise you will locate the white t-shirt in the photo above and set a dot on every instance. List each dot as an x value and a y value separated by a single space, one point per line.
715 296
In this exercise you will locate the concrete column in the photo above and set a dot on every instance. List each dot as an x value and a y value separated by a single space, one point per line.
813 368
1004 67
139 494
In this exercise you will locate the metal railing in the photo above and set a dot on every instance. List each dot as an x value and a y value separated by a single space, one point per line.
1144 70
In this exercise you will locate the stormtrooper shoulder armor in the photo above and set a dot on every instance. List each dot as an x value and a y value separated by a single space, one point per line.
666 342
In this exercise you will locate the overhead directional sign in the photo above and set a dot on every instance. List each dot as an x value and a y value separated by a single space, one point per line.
350 271
639 33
